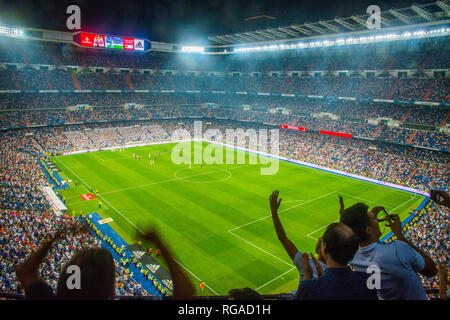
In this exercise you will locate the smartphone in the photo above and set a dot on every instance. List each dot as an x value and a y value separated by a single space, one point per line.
436 197
387 215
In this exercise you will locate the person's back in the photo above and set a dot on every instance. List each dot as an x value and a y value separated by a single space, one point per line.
398 265
398 262
338 284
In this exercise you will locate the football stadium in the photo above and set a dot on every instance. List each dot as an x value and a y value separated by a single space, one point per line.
282 159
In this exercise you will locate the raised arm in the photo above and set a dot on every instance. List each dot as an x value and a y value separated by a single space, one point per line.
394 223
290 248
28 271
183 288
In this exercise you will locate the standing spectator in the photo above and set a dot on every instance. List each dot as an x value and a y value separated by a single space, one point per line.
288 245
398 261
339 282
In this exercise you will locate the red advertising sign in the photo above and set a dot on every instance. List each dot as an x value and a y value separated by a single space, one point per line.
345 135
102 41
128 44
87 39
285 126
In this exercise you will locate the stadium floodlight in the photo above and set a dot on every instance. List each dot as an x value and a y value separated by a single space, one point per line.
400 16
422 12
329 26
194 49
11 32
344 23
445 7
315 28
300 29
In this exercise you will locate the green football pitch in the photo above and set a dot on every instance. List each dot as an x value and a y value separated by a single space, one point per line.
216 218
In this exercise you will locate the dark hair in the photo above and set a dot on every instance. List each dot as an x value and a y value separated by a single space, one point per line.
244 294
341 243
357 219
97 276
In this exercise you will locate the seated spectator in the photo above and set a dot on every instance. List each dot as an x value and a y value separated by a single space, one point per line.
398 261
339 282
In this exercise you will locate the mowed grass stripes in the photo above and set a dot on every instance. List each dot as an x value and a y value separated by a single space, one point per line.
216 218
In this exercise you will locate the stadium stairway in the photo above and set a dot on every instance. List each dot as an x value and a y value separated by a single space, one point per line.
445 120
389 65
391 92
16 79
75 81
412 137
376 132
363 86
106 230
414 171
405 116
430 90
25 58
130 83
56 61
150 82
330 92
65 101
132 64
103 81
50 85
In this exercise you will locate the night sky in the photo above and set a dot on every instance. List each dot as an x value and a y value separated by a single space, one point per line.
180 21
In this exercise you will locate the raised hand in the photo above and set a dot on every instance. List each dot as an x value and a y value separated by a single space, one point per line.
341 205
274 202
319 268
307 270
396 225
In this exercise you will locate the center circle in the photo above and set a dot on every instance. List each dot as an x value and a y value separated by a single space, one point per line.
202 175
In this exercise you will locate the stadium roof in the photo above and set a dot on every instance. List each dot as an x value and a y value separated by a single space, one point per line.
438 11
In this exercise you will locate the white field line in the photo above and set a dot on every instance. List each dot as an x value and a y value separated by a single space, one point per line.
401 205
196 277
279 259
171 180
309 234
355 180
95 155
297 205
362 199
136 227
265 284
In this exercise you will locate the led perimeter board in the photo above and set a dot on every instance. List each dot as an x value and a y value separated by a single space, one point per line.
92 40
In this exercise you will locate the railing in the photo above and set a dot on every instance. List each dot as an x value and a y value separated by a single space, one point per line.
281 296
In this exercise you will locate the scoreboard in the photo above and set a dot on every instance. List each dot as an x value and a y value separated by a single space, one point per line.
109 42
